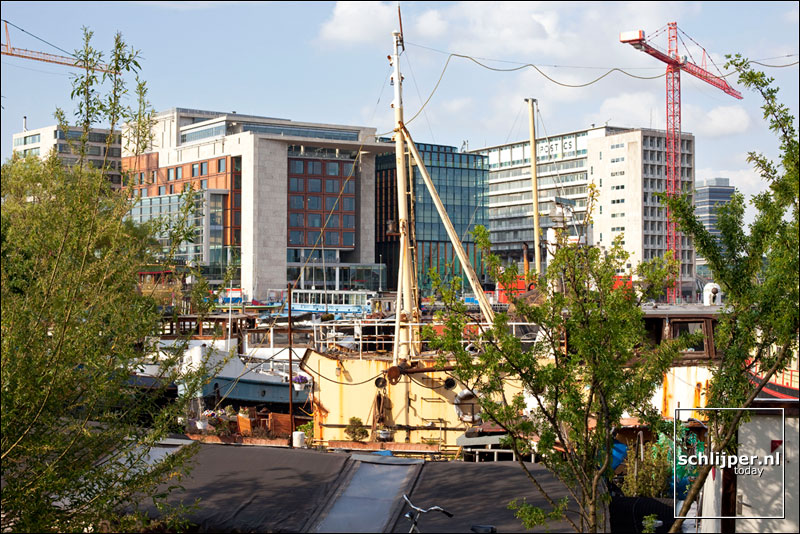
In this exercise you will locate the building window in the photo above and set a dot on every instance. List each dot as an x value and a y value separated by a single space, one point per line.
296 185
349 204
348 239
331 186
295 237
348 169
237 200
331 203
296 220
333 221
171 189
170 174
203 184
296 202
204 168
314 220
195 170
221 165
314 185
179 173
314 167
162 190
296 166
348 221
312 238
332 238
332 168
314 203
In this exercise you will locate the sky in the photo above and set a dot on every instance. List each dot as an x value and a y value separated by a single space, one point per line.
327 62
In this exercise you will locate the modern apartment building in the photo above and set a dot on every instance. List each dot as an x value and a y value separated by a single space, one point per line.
284 200
461 180
708 195
626 165
99 153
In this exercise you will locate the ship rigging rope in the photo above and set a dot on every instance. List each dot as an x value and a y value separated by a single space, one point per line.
521 66
71 54
344 383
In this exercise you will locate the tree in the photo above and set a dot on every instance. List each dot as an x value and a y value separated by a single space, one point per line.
590 363
758 272
76 436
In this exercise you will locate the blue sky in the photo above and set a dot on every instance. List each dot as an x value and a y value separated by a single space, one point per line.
326 62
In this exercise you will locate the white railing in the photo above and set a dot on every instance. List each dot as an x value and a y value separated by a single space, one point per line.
371 337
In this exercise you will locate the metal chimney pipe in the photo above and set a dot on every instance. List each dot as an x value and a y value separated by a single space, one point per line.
24 123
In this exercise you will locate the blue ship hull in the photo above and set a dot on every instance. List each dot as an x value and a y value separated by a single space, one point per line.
253 391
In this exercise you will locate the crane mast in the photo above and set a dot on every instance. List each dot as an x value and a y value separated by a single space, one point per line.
675 64
7 50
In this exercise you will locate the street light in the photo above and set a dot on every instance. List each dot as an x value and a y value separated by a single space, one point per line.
380 272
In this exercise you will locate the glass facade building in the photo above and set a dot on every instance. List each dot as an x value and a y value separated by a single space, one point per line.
561 171
708 195
461 180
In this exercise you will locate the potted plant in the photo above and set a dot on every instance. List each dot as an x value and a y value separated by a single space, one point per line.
299 382
356 430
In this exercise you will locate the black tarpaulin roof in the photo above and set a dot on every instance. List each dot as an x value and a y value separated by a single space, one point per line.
256 489
267 489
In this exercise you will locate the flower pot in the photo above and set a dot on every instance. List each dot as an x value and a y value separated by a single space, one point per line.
299 387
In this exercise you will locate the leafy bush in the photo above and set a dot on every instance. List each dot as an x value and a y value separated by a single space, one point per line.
356 430
648 477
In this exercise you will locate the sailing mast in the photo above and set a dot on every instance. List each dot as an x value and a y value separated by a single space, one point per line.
404 309
407 338
537 250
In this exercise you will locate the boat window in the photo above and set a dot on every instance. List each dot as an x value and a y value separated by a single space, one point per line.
682 328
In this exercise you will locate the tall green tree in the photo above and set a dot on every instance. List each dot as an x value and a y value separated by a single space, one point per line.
590 363
77 438
757 268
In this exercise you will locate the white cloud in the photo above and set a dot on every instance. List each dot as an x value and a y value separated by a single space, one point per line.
431 24
359 22
792 16
717 122
640 110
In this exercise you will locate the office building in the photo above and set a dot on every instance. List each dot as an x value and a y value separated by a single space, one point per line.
709 194
285 200
628 166
99 153
461 181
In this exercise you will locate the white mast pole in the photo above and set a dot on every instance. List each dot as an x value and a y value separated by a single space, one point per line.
404 289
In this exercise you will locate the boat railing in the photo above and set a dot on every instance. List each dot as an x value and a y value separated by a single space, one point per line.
369 337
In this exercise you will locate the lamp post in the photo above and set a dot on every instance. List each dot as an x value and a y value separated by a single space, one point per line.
380 273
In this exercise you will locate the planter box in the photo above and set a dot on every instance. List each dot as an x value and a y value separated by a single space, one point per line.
411 447
239 440
214 439
356 445
246 425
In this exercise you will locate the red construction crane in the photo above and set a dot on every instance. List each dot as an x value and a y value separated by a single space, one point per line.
675 64
7 50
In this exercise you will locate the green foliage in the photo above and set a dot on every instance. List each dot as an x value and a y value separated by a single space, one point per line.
356 430
532 516
307 429
648 475
757 268
575 397
76 435
649 523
